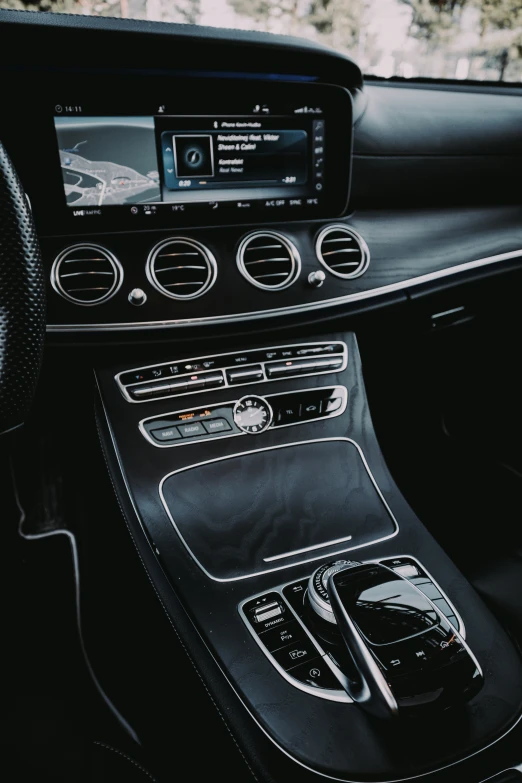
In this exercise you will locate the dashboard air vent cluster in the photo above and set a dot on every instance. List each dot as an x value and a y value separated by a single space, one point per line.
268 260
342 251
181 268
86 274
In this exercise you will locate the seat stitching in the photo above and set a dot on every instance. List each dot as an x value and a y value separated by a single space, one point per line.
124 755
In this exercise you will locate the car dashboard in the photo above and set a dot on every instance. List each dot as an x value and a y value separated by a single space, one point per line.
213 208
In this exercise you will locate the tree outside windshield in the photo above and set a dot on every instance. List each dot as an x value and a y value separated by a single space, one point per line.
440 39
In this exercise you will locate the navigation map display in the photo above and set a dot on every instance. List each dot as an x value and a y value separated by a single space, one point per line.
108 160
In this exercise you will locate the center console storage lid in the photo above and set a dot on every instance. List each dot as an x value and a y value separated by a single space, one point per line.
264 510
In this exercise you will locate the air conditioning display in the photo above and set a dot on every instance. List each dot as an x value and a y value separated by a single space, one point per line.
171 160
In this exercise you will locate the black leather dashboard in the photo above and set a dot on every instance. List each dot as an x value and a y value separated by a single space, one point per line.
433 195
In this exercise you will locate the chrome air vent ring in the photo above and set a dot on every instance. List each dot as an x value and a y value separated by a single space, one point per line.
268 260
342 251
86 274
181 268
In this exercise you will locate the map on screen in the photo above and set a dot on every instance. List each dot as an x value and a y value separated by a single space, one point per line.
108 160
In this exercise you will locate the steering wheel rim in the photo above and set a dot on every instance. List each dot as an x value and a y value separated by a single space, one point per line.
22 300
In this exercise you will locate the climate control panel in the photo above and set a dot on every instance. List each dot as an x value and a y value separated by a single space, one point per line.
175 378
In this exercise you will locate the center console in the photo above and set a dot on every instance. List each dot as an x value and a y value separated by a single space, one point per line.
351 645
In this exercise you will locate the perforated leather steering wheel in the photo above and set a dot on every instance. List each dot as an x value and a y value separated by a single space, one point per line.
22 300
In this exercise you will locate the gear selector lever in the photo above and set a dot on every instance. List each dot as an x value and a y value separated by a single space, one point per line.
406 654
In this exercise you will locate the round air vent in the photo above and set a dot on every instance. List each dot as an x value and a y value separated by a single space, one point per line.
181 268
268 260
342 251
86 274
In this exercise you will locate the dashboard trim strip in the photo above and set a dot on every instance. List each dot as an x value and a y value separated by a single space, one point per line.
320 547
296 309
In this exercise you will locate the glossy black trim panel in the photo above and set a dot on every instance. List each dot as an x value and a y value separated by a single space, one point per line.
297 309
320 547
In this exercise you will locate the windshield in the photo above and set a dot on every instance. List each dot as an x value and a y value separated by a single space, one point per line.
439 39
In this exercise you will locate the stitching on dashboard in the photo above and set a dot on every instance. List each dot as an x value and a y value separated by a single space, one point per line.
180 640
124 755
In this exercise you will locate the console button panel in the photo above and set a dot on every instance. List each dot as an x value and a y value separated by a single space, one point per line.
287 634
175 378
217 421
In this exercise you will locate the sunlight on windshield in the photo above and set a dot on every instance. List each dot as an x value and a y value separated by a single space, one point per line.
440 39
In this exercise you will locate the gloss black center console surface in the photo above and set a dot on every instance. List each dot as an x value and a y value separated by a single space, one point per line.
249 527
330 500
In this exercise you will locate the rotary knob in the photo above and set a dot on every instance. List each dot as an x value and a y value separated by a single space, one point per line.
137 297
317 588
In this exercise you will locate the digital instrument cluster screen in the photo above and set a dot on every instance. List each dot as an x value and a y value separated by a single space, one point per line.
189 159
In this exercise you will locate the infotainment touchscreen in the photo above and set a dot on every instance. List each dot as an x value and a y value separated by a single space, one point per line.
289 154
157 160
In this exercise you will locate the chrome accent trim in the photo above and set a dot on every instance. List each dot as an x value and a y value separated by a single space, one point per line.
293 252
141 426
448 312
494 777
219 664
365 250
110 257
226 384
325 693
205 252
373 693
306 549
319 546
371 293
319 605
